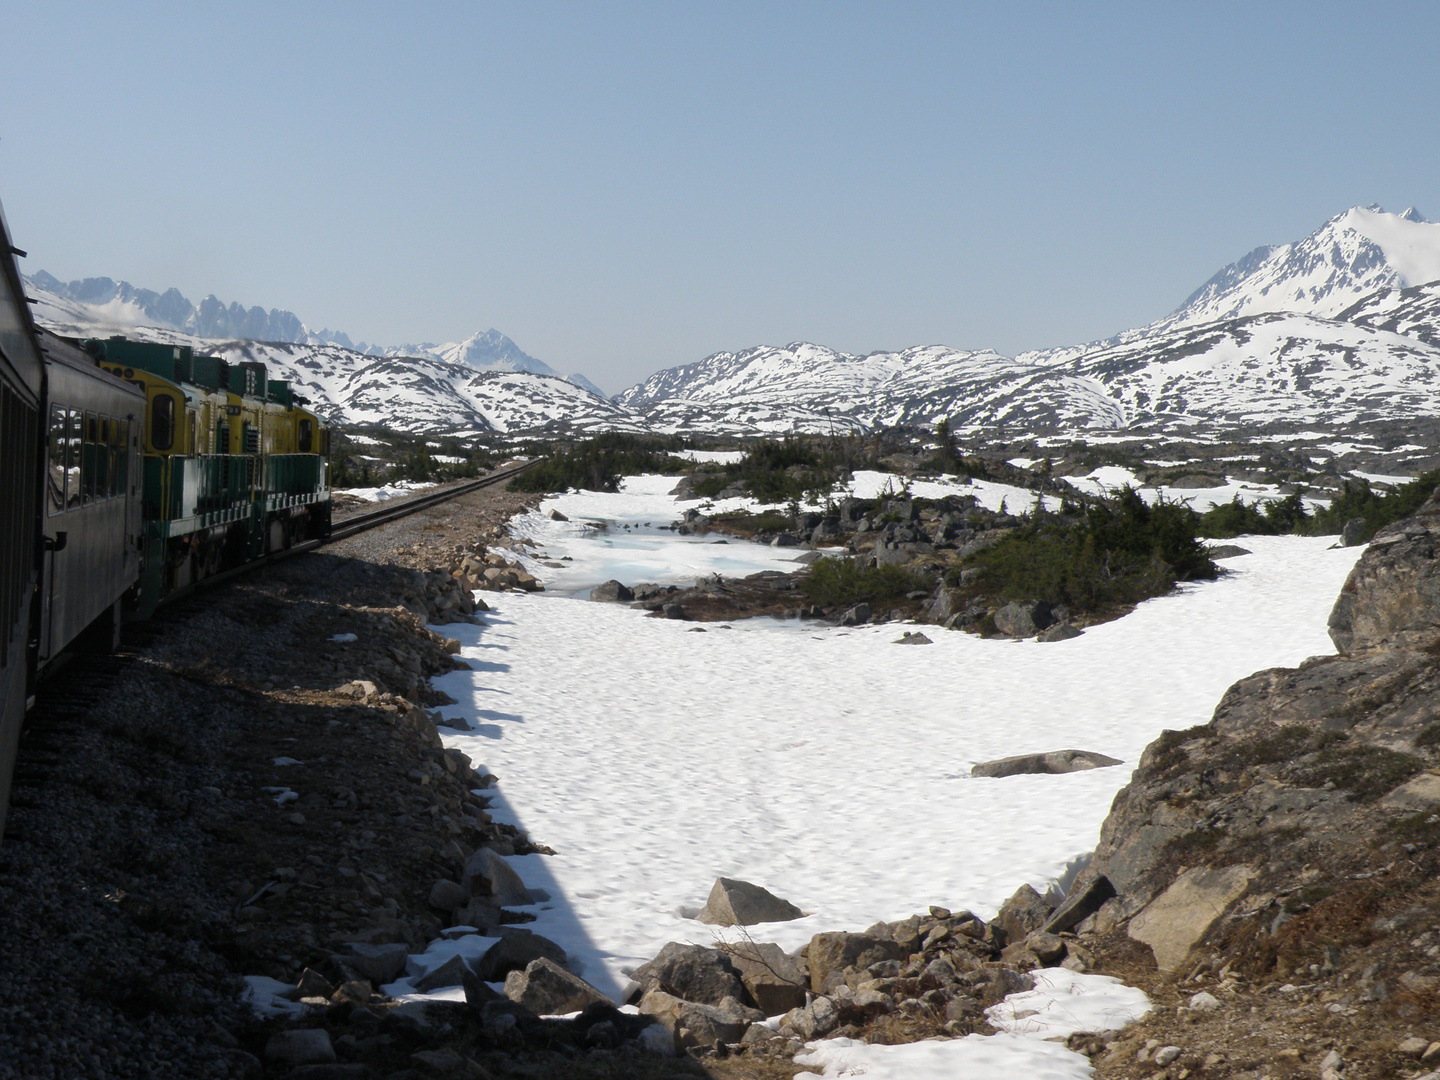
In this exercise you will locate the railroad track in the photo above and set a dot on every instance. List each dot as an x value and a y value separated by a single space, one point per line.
361 522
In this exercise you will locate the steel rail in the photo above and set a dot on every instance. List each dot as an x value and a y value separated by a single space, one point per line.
362 522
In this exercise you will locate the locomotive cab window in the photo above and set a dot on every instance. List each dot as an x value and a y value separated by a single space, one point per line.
162 422
306 436
55 476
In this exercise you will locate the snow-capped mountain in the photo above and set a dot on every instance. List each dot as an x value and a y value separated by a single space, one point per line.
1336 327
1349 257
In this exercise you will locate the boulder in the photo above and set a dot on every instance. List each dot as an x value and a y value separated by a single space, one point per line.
690 972
1082 902
909 638
739 903
856 615
556 515
1059 632
611 590
545 988
306 1046
1056 761
451 973
499 878
1392 596
1354 533
1022 914
1176 920
695 1024
830 954
514 952
1226 551
775 982
448 895
1048 948
813 1021
378 963
1023 618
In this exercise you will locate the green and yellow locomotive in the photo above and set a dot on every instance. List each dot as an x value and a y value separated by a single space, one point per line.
233 466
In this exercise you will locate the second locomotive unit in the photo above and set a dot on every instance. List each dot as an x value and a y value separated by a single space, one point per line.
130 471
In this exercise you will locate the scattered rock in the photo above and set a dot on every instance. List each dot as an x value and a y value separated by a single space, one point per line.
830 954
1082 902
556 515
740 903
912 638
451 973
695 1024
378 963
1227 551
1023 914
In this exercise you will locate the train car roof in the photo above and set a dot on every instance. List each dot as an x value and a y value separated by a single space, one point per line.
60 351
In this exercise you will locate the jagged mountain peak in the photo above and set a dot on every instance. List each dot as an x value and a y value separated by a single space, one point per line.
1357 252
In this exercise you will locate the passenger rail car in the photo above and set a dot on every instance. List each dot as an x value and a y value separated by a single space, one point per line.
130 471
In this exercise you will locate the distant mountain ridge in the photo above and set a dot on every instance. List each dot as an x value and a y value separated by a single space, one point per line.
122 305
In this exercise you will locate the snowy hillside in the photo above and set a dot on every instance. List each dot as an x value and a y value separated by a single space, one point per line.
809 386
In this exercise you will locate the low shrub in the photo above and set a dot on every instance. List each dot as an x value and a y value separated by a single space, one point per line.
1119 552
844 582
598 464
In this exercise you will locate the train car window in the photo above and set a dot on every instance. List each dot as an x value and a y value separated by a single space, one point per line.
87 458
307 436
102 458
74 451
117 458
251 438
222 438
162 422
55 475
120 442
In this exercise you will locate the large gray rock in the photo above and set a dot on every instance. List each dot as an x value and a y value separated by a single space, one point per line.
1022 914
307 1046
545 988
499 878
830 953
514 952
378 963
775 982
1353 534
1392 596
1056 761
451 973
612 591
1023 618
695 1024
856 616
691 972
1176 920
1082 902
739 903
1059 632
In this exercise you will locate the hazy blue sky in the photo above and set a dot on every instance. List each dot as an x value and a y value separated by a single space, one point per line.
626 187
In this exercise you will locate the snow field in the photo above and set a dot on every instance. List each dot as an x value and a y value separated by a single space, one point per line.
827 765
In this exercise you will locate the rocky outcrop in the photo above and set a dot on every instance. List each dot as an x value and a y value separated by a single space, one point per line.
1298 827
